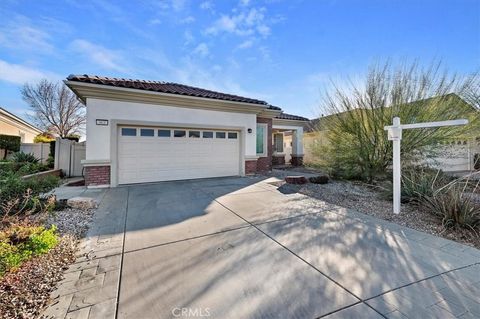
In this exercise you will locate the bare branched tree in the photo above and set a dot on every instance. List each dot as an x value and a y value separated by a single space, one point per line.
55 106
356 143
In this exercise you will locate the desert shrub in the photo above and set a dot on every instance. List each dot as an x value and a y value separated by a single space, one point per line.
321 179
21 157
19 243
454 205
10 143
20 196
356 144
420 182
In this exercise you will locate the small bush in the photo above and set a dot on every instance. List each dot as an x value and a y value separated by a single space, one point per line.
454 206
420 182
21 157
19 243
43 138
322 179
18 195
10 143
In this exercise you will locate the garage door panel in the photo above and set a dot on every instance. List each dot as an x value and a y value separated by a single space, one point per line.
150 159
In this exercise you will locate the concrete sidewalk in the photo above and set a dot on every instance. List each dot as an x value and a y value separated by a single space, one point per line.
239 248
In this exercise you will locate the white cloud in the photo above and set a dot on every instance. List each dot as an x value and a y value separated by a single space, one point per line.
245 44
20 74
103 57
155 22
206 5
187 20
188 36
21 35
244 2
202 49
244 23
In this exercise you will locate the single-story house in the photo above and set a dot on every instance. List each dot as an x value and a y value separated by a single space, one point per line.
11 124
147 131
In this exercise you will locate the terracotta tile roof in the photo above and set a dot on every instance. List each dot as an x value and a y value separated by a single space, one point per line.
285 116
165 87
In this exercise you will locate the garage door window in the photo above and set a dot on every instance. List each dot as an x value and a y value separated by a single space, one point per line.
129 131
179 133
164 133
232 135
207 134
194 134
220 134
147 132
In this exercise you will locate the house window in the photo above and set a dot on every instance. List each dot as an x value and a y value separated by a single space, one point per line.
194 134
278 142
147 132
220 134
179 133
207 134
262 139
129 131
164 133
232 135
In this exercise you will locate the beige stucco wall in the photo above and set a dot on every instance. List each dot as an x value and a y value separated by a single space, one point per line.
10 127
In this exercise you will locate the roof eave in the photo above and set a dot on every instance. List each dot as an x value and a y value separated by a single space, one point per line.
100 91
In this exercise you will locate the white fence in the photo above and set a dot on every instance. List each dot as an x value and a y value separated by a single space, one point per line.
68 157
39 150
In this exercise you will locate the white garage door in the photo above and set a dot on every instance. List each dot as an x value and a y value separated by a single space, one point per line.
148 154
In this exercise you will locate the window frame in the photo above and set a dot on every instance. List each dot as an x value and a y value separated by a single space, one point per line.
164 129
220 132
147 129
281 144
232 138
128 128
180 130
265 139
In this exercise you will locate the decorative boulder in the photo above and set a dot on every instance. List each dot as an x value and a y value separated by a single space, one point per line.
296 180
322 179
82 203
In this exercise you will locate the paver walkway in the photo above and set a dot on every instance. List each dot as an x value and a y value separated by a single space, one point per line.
239 248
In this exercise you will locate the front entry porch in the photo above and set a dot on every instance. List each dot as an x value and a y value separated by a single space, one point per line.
287 140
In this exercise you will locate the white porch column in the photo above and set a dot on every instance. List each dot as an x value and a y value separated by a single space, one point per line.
297 141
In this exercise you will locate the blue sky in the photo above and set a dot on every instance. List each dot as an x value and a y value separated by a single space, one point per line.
283 52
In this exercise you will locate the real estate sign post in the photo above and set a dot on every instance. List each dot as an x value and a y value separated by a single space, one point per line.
395 135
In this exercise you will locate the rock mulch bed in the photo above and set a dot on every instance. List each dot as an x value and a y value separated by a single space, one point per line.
25 292
366 199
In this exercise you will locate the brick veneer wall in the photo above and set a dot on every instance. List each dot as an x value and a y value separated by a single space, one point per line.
250 167
296 160
265 163
97 175
278 159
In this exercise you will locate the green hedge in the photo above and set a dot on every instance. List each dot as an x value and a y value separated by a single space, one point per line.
10 142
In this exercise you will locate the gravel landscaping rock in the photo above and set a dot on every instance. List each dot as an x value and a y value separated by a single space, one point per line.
82 203
25 292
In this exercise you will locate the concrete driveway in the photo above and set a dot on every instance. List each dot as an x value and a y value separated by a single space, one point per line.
240 248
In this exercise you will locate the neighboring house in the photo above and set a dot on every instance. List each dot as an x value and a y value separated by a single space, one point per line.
147 131
11 124
458 155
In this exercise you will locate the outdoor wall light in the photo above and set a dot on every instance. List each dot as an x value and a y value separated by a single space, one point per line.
249 130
